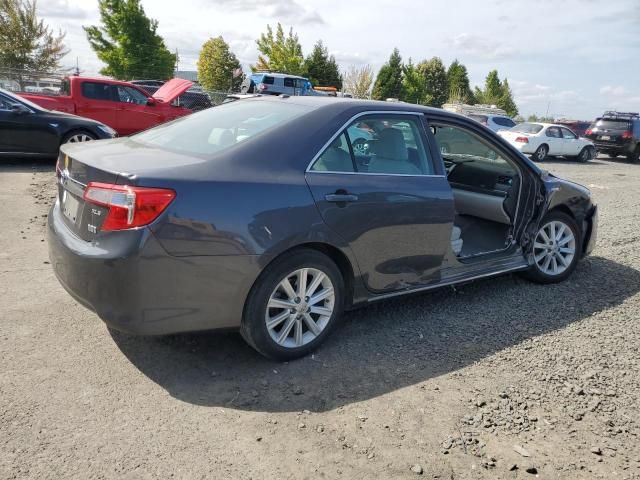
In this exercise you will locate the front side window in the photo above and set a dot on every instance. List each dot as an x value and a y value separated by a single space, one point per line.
379 144
97 91
131 95
566 133
458 145
5 103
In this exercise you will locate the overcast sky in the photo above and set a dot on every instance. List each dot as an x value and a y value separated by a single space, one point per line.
575 58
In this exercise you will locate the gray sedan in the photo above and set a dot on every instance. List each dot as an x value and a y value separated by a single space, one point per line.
264 215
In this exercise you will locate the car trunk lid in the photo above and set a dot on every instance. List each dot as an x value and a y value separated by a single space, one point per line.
172 90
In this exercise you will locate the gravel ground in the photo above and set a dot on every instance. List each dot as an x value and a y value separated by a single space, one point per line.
495 379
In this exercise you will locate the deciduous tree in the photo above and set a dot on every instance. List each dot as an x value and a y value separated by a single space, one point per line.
358 81
218 66
435 82
280 53
128 42
27 45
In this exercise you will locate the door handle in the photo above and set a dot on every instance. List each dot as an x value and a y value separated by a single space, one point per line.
340 197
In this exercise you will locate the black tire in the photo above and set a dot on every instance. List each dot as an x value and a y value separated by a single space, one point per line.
69 136
541 153
535 273
635 156
254 328
585 155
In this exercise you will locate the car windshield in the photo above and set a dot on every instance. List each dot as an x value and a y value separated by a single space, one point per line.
527 128
23 101
216 129
612 124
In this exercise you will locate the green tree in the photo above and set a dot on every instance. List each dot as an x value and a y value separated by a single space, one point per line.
435 82
27 45
497 93
128 44
280 53
458 82
413 84
532 118
389 81
358 81
322 68
218 65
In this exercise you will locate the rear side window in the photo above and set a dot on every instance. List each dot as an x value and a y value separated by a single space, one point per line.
480 118
267 80
504 122
97 91
532 128
288 82
380 144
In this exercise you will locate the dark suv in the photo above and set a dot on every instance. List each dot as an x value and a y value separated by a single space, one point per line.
617 133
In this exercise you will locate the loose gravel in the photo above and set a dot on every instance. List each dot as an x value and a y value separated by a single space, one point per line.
494 379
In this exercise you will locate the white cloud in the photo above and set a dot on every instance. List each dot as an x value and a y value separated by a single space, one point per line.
283 10
613 90
481 47
61 9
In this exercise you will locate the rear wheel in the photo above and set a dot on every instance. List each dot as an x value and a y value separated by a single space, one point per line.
541 153
556 249
294 305
78 137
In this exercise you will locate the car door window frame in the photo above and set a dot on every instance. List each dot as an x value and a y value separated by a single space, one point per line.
420 125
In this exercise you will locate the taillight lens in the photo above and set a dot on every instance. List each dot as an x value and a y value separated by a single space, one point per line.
588 131
627 135
522 140
261 87
129 206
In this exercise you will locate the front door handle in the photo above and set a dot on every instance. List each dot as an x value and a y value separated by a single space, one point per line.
340 197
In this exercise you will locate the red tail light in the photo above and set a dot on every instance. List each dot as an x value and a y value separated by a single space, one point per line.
588 131
522 140
627 135
261 87
129 206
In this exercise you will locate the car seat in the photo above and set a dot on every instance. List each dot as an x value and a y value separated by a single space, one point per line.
391 154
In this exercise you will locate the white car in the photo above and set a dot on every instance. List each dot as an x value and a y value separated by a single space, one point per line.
545 139
497 123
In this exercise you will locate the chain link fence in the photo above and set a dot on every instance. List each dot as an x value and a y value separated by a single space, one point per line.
52 83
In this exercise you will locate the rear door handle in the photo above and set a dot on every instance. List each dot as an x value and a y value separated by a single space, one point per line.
340 197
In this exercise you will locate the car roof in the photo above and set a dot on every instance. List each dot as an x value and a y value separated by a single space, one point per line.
279 75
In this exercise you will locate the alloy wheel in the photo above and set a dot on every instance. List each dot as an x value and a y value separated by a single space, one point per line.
300 307
79 137
554 248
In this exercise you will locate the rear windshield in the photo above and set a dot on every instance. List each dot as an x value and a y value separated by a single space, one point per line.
504 121
218 128
613 124
527 128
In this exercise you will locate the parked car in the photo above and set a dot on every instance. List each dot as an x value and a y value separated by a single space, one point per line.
617 133
27 129
545 139
496 123
279 84
123 106
192 99
577 126
258 215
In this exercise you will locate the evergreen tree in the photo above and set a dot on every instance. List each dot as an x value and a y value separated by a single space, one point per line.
218 66
322 68
26 43
413 84
497 93
458 82
128 43
389 81
506 101
281 53
435 82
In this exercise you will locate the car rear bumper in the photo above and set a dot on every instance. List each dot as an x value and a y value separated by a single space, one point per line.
134 286
612 147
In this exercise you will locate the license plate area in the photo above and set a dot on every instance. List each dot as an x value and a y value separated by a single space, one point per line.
70 207
605 137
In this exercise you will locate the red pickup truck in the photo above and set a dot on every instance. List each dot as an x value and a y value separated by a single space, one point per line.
121 105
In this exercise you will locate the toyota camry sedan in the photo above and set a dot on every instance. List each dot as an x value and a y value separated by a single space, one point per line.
262 215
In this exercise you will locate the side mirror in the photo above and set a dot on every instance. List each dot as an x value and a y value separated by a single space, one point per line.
151 102
19 109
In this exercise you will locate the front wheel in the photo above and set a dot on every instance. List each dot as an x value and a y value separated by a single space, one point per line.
586 154
556 249
635 156
78 137
294 305
541 153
